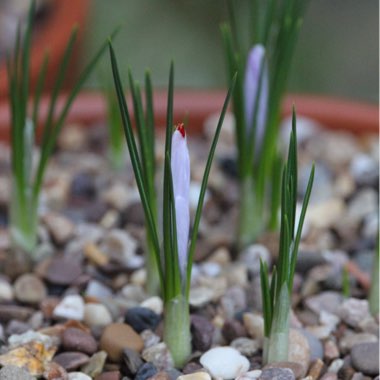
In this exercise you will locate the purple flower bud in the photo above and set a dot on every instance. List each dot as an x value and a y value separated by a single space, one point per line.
180 166
256 59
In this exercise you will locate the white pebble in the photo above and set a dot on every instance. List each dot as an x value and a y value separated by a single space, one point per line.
96 314
78 376
155 304
71 307
224 362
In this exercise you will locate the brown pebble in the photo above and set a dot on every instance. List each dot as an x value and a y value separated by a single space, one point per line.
331 350
94 254
53 371
296 368
8 312
113 375
316 369
118 336
71 360
74 339
48 305
63 271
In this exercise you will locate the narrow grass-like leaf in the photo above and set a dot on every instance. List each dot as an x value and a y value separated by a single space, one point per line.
266 297
135 159
204 184
39 88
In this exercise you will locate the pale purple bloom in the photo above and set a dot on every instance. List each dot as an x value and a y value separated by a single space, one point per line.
180 166
256 58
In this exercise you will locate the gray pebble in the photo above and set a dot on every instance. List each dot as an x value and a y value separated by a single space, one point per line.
365 358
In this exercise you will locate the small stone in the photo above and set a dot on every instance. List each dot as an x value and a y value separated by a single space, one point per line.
9 312
316 369
365 358
232 329
29 289
328 301
233 301
362 204
96 314
6 291
119 246
62 271
111 375
16 327
141 318
277 373
335 366
254 325
146 371
131 361
31 337
159 355
329 376
74 339
234 364
350 339
195 376
118 336
78 376
53 371
11 372
325 214
97 290
71 307
155 304
315 345
246 346
95 365
331 350
72 138
252 255
149 338
202 332
71 360
353 311
296 368
364 169
117 196
299 350
250 375
60 228
200 296
94 254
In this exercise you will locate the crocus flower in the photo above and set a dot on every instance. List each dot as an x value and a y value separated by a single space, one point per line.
180 166
256 58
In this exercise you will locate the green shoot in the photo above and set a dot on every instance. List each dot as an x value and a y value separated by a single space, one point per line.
27 183
276 293
174 256
261 55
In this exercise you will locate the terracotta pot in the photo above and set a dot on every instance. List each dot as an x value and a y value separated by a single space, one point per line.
51 34
89 107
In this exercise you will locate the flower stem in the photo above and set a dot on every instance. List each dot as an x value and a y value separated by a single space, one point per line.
153 280
276 346
249 225
24 219
177 329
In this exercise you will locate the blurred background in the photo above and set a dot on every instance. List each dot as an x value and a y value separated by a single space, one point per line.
337 52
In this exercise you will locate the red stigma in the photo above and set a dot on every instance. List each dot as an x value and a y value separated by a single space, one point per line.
181 129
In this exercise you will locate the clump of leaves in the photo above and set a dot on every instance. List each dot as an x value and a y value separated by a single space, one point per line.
27 180
276 292
174 256
261 52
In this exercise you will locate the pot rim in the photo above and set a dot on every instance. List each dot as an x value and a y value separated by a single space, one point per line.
333 113
52 36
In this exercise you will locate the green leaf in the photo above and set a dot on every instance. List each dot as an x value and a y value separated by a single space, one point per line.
204 184
135 159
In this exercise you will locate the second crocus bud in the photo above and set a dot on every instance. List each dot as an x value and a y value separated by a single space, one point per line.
256 90
180 167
